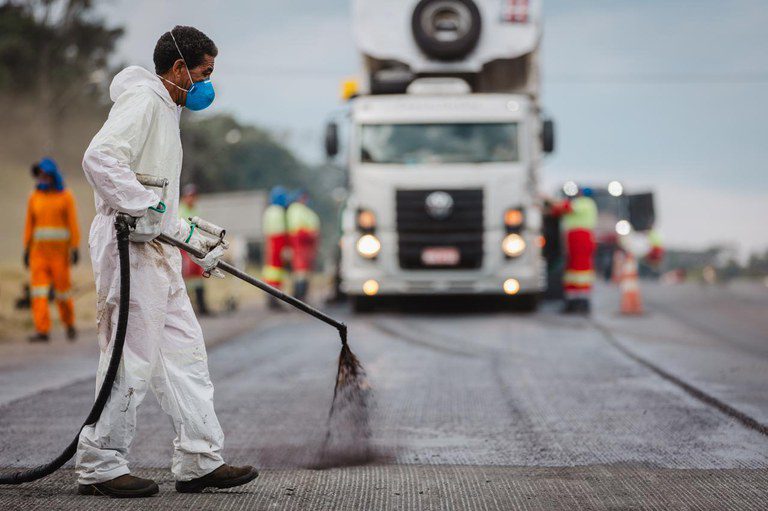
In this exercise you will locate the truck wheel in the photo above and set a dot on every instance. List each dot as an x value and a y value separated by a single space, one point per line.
526 303
362 304
446 29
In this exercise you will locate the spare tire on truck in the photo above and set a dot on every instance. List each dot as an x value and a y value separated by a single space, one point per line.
446 29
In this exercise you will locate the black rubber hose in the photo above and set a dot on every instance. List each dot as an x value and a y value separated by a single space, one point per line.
26 476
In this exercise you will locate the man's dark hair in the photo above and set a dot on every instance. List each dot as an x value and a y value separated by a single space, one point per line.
194 45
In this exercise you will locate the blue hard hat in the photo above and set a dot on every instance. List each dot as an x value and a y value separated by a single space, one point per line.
587 192
49 167
278 195
296 195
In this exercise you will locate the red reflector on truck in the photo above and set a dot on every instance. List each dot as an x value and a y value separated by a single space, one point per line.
514 11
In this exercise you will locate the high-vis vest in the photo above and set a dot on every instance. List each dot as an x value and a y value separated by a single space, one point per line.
274 220
583 215
301 218
51 222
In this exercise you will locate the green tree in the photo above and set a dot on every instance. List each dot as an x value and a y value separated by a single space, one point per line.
54 52
220 154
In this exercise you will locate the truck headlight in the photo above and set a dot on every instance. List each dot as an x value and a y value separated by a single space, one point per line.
368 246
370 287
513 245
511 286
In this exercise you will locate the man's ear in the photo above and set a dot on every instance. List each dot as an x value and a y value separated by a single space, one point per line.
178 67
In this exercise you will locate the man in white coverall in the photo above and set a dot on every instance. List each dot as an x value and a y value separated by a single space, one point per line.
164 349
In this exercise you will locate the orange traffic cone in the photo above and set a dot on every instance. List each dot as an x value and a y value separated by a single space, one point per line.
630 287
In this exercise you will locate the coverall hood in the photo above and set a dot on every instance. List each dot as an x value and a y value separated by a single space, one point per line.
137 76
49 167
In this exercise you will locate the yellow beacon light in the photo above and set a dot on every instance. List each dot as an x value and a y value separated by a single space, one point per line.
349 89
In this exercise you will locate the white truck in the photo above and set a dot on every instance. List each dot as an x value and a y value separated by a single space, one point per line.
444 141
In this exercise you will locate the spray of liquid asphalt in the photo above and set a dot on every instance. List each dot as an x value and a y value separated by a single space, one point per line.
348 438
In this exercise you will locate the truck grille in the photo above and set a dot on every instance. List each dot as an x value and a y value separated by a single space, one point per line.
461 228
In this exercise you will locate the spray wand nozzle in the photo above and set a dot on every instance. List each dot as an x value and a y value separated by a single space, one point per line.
236 272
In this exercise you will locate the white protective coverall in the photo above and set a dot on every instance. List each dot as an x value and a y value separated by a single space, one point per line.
164 348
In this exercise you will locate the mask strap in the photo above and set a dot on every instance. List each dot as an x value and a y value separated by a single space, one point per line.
182 58
180 88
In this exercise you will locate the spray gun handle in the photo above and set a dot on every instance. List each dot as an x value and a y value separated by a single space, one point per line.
206 226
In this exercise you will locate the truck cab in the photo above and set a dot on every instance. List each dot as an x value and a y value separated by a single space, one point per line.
443 159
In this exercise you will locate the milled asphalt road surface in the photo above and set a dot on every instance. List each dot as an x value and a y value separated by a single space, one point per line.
472 411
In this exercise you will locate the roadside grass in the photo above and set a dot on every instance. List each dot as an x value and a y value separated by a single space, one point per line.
16 324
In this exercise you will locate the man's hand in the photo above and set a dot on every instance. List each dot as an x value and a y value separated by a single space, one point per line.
74 256
209 262
25 258
213 250
149 226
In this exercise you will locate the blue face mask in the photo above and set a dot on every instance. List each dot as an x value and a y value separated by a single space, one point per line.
200 94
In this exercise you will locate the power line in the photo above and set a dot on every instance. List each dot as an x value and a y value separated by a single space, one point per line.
566 79
660 78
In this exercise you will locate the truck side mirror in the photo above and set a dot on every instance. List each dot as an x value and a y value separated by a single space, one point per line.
642 214
548 136
331 139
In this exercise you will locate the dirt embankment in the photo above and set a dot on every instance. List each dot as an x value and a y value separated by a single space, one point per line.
27 134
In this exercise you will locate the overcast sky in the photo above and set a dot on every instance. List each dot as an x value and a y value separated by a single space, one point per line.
662 94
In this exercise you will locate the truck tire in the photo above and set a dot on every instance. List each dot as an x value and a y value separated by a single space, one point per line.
529 302
462 15
361 303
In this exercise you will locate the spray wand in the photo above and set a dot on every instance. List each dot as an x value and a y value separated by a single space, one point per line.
219 232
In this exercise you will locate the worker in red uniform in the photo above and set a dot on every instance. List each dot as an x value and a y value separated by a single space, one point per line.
275 240
303 233
51 238
191 271
656 254
578 220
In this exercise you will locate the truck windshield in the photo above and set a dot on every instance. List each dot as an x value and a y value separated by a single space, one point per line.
412 144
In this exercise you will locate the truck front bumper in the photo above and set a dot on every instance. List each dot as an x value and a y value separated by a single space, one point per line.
530 277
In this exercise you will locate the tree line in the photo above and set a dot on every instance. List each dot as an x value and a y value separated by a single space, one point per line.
58 56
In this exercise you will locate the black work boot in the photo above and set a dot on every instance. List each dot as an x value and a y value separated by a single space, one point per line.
225 476
71 333
300 289
38 337
569 307
123 487
202 305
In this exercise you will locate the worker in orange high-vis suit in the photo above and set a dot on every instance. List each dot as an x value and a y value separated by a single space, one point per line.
275 240
51 238
579 218
303 233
